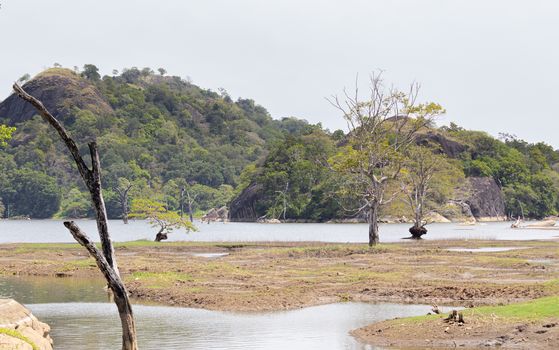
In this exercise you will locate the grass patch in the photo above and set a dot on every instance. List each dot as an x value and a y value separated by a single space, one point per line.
157 280
15 334
537 309
534 310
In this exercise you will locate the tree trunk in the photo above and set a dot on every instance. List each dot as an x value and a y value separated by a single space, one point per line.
417 231
115 284
161 235
106 259
373 225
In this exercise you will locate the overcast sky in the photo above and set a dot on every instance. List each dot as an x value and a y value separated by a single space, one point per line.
493 65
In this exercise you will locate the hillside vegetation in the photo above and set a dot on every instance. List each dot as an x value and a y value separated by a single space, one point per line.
163 134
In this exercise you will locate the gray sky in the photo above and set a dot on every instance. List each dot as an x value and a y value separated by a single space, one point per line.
494 65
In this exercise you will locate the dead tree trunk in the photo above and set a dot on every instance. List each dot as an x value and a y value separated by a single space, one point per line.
119 291
123 199
373 225
105 260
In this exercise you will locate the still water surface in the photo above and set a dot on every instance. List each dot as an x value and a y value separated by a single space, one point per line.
94 325
54 231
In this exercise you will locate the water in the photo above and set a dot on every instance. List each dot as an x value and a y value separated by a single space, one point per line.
95 325
53 231
485 249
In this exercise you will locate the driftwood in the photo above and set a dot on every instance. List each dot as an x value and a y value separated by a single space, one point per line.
105 259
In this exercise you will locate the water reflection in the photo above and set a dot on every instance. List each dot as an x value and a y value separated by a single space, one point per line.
82 326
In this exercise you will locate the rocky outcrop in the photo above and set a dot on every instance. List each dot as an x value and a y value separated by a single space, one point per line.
485 199
20 330
60 90
216 214
243 207
447 146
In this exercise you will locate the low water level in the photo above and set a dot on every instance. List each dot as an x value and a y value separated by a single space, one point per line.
95 325
54 231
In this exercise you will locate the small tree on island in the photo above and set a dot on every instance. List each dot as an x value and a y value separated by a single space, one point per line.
159 217
425 173
381 128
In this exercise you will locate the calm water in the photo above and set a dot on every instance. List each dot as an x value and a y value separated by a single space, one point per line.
54 231
95 325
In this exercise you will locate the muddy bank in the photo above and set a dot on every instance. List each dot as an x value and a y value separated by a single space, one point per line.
279 276
478 332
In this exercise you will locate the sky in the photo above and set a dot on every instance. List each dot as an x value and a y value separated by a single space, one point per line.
493 64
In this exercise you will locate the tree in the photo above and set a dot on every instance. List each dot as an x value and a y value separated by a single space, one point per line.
105 259
75 205
162 71
5 134
24 78
424 171
91 72
31 193
122 190
381 128
158 216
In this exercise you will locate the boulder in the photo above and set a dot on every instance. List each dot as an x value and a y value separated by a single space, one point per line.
436 217
485 199
20 330
60 90
243 207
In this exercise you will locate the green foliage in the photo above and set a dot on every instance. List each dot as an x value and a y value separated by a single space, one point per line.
30 193
5 134
75 204
91 72
295 179
522 170
162 133
158 216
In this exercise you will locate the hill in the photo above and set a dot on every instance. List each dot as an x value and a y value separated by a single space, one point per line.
171 139
158 132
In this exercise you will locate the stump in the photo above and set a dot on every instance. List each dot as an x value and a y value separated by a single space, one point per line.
417 231
161 236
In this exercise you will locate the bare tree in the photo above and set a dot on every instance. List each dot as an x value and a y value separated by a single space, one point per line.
122 190
190 200
422 166
105 258
381 127
283 196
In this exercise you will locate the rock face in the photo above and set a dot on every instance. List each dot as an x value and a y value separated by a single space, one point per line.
216 214
20 330
486 200
449 147
59 90
243 207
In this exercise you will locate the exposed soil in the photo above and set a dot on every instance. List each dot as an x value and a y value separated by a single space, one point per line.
280 276
476 333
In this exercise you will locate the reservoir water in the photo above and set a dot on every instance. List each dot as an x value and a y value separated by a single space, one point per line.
94 325
54 231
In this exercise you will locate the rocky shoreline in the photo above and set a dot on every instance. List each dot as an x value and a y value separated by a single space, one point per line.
20 329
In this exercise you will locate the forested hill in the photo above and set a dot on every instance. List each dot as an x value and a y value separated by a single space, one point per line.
162 134
159 132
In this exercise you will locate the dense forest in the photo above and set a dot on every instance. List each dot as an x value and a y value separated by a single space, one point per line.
168 139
